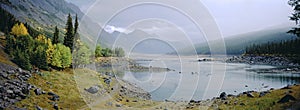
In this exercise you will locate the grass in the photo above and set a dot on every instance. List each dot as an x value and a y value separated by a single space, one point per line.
267 102
60 82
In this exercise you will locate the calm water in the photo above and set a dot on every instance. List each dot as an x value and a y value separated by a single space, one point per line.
202 80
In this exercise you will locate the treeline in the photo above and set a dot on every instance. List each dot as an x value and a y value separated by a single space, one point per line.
289 49
106 52
38 51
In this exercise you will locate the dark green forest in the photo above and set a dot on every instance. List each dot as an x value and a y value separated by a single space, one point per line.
289 49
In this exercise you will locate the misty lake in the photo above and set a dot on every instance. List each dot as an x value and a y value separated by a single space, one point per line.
190 79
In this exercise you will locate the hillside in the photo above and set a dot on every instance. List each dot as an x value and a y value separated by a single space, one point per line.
44 15
237 44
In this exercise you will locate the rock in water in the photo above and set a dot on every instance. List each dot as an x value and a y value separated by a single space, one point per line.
93 89
286 98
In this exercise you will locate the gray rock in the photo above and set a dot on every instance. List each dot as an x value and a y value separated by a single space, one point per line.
93 89
38 108
118 105
250 95
223 96
20 70
54 96
55 106
286 98
9 91
11 72
38 91
4 75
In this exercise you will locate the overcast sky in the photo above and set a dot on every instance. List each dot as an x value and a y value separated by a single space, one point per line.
232 16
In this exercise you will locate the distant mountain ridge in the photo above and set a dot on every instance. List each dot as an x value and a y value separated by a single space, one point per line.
237 44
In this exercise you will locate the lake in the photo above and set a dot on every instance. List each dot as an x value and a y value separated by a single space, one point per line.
190 79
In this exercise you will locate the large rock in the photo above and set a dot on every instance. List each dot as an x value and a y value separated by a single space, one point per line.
53 97
93 89
250 95
286 98
223 96
38 91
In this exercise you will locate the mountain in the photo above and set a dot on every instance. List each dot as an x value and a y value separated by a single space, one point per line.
138 41
237 44
42 14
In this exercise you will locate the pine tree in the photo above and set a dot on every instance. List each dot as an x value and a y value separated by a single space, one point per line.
39 57
69 36
55 39
295 4
76 25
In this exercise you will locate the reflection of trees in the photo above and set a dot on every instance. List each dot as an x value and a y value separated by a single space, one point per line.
282 78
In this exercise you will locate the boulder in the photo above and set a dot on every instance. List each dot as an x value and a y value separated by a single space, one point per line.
55 106
261 94
118 105
9 91
54 96
286 98
287 87
38 91
223 96
93 89
11 72
38 108
250 95
19 70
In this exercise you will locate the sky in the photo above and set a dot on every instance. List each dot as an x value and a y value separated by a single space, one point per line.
231 16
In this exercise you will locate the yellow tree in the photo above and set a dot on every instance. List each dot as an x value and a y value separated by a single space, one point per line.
48 42
19 30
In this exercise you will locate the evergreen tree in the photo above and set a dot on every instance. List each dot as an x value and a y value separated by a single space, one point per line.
295 4
69 36
76 25
39 58
22 59
55 39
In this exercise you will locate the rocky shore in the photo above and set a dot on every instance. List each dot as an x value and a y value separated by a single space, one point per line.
283 65
262 60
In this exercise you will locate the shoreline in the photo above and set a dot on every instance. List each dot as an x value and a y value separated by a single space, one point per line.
282 65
